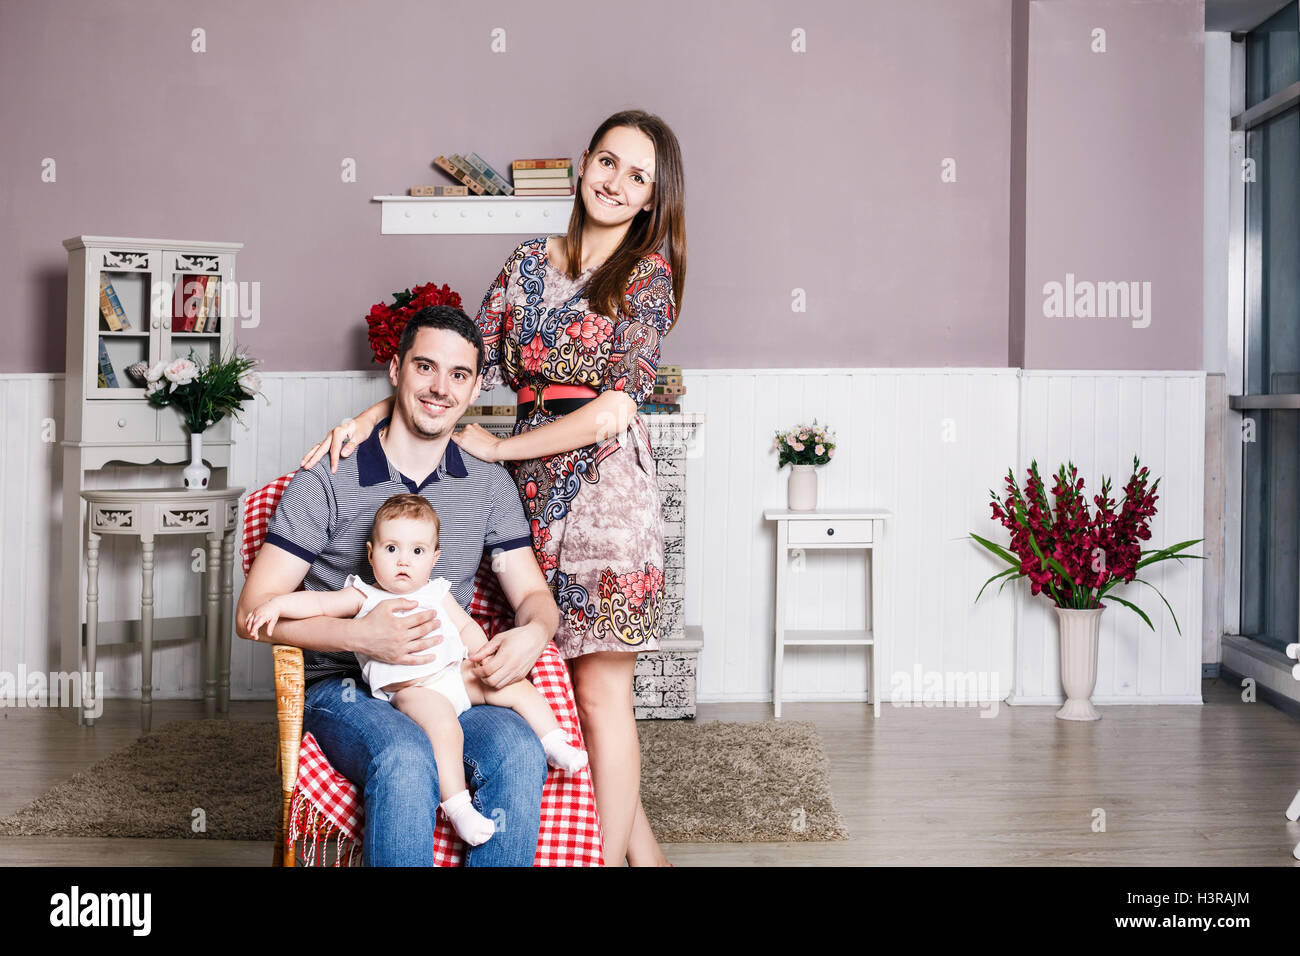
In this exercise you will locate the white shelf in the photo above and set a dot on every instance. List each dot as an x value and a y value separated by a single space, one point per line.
851 528
473 215
825 637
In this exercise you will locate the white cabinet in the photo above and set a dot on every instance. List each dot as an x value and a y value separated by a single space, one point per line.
154 283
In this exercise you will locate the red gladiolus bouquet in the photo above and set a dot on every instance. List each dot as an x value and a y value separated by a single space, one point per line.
1072 555
387 321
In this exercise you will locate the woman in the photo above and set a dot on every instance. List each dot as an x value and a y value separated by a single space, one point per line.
573 323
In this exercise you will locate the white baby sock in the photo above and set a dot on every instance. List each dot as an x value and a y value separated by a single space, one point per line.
470 825
562 754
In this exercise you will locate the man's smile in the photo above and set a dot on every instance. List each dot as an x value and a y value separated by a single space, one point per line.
432 407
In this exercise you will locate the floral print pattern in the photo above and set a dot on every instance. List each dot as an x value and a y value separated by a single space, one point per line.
594 511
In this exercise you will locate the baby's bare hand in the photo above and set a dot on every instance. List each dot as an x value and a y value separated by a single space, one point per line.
262 614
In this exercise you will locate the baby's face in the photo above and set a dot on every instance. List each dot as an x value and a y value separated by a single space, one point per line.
403 554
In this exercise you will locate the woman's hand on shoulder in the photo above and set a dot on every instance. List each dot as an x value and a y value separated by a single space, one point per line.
339 442
343 439
478 441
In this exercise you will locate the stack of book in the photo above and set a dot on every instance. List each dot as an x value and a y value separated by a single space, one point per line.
107 375
197 304
472 172
110 307
667 395
543 177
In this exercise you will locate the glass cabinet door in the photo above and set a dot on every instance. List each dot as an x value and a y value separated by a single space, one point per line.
192 319
122 343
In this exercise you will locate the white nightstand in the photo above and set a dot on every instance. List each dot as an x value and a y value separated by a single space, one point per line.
828 529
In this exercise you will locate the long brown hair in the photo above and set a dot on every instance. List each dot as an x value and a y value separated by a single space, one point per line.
664 222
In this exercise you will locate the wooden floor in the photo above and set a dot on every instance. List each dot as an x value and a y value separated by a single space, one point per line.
1183 786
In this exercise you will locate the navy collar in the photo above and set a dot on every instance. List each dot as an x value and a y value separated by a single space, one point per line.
373 465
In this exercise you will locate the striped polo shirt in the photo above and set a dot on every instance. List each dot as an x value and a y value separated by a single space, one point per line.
326 518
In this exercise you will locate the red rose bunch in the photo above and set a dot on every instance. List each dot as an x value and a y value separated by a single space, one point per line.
385 322
1074 555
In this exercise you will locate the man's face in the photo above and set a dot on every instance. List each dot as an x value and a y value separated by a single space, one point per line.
435 383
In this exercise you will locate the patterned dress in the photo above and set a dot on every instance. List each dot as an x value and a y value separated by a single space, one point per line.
597 526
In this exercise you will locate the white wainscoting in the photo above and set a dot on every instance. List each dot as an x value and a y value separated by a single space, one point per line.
1100 420
927 444
924 444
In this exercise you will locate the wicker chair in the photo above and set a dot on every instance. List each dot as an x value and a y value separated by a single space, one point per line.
317 801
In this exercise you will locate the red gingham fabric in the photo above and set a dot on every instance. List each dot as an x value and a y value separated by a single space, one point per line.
326 804
258 507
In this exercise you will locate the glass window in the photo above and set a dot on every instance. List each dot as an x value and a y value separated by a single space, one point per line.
1272 55
1270 533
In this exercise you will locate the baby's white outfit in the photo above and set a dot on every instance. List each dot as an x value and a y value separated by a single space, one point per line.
442 671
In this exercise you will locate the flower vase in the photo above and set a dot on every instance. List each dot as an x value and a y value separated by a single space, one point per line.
801 490
196 473
1079 631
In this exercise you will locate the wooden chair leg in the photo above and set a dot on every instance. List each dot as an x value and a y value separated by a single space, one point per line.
288 710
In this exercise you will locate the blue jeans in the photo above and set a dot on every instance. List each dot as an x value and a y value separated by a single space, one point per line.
389 757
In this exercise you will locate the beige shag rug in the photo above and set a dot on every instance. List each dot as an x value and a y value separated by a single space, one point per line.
710 782
223 769
720 782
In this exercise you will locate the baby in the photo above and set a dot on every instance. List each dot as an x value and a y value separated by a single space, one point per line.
402 549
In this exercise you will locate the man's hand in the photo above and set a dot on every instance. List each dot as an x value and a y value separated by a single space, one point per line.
510 655
399 639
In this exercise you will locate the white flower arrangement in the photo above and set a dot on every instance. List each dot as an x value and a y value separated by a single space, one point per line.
203 394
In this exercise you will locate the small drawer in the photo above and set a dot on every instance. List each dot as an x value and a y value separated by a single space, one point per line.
118 422
851 531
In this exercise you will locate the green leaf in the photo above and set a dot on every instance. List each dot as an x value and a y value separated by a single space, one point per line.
997 549
1130 604
1162 597
1000 574
1165 553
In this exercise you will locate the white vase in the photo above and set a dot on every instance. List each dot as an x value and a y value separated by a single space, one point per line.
1079 631
801 491
196 473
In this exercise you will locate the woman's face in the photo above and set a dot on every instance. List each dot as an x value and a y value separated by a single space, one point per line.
618 176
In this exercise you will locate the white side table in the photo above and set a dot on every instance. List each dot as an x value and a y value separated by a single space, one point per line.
827 529
146 513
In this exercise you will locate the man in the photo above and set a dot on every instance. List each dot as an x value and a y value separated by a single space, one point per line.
317 536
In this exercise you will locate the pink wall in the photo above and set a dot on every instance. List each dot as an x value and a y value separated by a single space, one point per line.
817 171
1115 179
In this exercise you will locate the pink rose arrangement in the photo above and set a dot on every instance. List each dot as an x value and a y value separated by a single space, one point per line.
804 445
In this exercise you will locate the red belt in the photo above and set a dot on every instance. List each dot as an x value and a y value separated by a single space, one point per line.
527 394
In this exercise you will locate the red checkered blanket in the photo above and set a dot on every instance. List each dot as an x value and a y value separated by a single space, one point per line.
326 805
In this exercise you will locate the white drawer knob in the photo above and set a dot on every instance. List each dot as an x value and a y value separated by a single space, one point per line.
121 423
